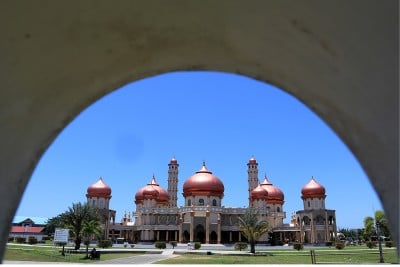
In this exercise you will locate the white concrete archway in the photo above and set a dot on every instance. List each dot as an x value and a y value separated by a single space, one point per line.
338 57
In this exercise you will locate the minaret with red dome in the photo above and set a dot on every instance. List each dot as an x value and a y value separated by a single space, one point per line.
313 195
99 195
316 223
173 182
252 174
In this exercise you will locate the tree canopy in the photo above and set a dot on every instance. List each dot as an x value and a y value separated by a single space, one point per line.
75 217
252 227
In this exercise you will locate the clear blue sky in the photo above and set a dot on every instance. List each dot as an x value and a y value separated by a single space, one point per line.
224 119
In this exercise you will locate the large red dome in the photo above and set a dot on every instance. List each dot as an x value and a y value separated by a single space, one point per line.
99 189
313 189
275 195
151 191
204 183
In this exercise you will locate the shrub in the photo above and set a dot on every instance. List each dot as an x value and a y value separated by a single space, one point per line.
240 245
197 245
32 240
10 239
160 244
298 246
20 239
329 243
340 245
173 244
371 244
388 244
104 243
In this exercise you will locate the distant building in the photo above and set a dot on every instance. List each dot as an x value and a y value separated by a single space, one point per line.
203 218
26 228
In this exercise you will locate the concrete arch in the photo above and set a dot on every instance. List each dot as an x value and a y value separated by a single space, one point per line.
338 57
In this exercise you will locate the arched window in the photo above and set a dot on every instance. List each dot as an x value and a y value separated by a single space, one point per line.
189 202
201 202
214 202
278 209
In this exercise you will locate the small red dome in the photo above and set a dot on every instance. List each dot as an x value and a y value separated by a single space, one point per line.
173 161
151 191
99 189
259 193
274 193
252 160
203 182
313 189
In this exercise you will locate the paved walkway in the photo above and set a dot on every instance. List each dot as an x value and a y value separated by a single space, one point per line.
142 259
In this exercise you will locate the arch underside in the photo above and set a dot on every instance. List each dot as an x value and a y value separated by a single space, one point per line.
58 58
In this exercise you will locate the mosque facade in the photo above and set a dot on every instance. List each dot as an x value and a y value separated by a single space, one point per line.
203 218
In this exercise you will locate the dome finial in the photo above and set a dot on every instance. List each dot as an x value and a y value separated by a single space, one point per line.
153 180
204 163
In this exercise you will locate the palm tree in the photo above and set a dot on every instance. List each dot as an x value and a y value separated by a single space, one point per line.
74 218
377 226
90 228
252 227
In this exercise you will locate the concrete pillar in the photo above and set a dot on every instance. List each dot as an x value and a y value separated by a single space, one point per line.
240 236
326 227
219 229
191 238
230 236
167 236
208 227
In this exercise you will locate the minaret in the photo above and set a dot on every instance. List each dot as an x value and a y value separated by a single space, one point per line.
252 171
173 182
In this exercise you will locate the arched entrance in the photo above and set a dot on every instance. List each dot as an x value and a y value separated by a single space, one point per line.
213 237
353 87
186 237
199 233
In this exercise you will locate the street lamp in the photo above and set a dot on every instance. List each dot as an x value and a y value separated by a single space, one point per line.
378 232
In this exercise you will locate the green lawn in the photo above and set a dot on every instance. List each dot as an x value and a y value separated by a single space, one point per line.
357 255
323 255
52 254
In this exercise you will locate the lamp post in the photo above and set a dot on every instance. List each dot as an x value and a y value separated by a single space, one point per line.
379 243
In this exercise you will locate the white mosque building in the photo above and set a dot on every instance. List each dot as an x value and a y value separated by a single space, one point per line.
203 218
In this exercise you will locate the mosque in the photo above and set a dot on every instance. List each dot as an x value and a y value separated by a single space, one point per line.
203 218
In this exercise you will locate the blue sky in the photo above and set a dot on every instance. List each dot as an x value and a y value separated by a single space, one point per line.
223 119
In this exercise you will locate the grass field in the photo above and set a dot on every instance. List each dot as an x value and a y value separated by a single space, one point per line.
52 254
323 255
356 255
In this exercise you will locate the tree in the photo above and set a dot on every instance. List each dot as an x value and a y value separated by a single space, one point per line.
369 228
52 224
382 223
377 226
252 227
90 228
74 218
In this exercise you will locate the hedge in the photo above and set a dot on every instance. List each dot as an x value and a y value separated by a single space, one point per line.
241 245
160 244
298 246
340 245
197 245
104 243
32 240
